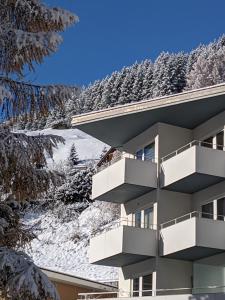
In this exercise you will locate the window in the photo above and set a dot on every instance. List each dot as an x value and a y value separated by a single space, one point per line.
221 209
148 217
136 287
220 140
147 285
207 210
208 142
139 154
142 286
215 141
137 219
147 153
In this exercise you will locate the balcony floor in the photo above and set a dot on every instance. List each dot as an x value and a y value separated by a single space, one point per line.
124 192
122 260
194 253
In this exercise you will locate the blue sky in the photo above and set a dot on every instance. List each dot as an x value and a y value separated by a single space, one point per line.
116 33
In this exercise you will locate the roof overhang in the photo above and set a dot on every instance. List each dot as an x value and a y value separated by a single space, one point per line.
115 126
77 281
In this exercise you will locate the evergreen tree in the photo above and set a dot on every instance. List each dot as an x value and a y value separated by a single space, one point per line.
76 189
28 33
169 74
209 68
73 158
147 92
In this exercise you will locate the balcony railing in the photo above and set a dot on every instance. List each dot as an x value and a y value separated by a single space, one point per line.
121 156
125 222
191 144
153 292
193 214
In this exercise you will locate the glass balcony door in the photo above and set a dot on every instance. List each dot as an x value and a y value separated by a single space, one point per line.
143 218
214 210
142 286
147 153
148 217
207 210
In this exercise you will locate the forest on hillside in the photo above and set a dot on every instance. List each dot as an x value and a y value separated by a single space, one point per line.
170 73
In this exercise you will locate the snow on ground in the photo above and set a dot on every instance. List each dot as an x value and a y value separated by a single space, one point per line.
87 146
63 240
63 235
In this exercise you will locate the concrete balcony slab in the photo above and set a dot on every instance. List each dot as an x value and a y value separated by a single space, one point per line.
123 246
124 180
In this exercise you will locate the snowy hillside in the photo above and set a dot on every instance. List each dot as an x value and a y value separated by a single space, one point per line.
63 234
87 147
63 238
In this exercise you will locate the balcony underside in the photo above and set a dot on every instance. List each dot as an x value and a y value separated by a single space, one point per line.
194 183
122 260
123 193
194 253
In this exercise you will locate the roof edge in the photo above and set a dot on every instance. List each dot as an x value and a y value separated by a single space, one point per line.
150 104
75 280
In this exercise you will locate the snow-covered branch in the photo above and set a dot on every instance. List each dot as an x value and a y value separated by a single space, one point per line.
23 162
21 279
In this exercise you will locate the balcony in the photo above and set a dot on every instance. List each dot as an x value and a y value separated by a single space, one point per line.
123 245
192 168
124 180
192 236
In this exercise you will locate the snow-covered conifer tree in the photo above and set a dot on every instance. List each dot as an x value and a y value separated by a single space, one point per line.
73 158
76 189
169 74
209 68
28 33
146 92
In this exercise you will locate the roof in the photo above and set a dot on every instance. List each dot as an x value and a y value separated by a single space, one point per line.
77 281
117 125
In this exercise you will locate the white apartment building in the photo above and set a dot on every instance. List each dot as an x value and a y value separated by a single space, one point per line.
170 183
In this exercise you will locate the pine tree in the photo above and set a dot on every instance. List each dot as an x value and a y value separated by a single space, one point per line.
169 74
73 158
147 92
76 189
28 33
209 68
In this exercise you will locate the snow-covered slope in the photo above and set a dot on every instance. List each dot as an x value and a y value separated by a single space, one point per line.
87 147
63 239
63 234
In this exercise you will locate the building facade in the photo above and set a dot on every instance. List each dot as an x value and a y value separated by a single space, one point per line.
170 183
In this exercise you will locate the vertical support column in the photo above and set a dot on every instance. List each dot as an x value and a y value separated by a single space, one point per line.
142 218
140 286
154 286
214 209
214 142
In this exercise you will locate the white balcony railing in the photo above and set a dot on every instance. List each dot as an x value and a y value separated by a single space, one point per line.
193 214
191 144
125 222
121 156
153 292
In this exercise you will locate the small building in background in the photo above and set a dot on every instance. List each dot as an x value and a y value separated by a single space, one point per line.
69 286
